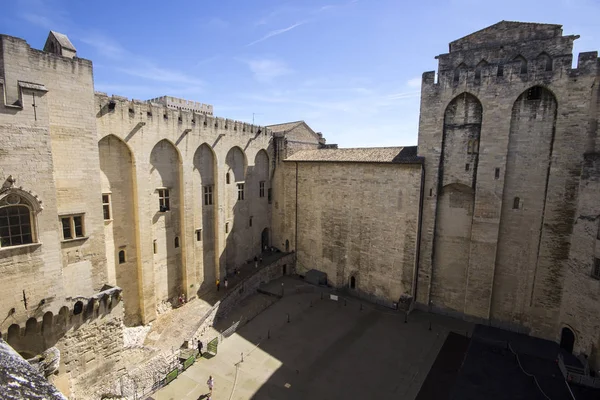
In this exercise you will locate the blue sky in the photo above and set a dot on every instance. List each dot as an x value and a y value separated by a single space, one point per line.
350 68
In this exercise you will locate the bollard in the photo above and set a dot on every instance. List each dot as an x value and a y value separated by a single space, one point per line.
288 318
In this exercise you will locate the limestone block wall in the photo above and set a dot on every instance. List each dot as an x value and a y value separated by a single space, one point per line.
359 220
535 128
184 249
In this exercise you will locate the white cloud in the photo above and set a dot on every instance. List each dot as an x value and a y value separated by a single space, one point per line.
414 82
104 45
276 32
154 73
266 70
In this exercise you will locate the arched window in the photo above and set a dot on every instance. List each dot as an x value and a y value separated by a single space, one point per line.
78 308
122 257
17 216
352 282
516 203
458 70
544 62
523 69
482 64
16 225
176 241
227 178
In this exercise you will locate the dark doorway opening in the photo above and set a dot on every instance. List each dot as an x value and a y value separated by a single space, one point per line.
284 269
352 283
264 241
567 339
287 246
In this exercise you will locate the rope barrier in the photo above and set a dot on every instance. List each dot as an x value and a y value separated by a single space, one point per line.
528 374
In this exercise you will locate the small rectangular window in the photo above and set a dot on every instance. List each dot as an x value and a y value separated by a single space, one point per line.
261 189
163 200
269 194
106 206
467 167
199 235
208 195
66 226
250 222
154 246
596 269
497 173
500 70
240 188
73 226
226 227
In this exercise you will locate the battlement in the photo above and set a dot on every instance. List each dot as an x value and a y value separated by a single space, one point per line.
148 112
182 104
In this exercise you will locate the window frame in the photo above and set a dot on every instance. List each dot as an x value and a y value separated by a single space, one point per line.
240 190
261 189
107 206
32 231
164 199
122 251
199 235
207 191
70 218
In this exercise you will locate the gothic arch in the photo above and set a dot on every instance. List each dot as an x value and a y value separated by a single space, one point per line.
523 65
236 163
517 253
457 72
544 61
482 64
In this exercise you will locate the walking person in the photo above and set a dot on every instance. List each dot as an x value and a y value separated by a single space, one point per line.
226 283
200 347
210 382
218 285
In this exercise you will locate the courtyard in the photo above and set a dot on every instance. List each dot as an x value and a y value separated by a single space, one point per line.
308 345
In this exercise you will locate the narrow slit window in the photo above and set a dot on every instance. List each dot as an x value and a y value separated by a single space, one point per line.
226 227
475 149
500 71
176 241
470 147
106 206
516 203
250 222
122 257
596 269
227 178
497 173
240 189
164 202
467 166
269 195
261 189
154 246
198 235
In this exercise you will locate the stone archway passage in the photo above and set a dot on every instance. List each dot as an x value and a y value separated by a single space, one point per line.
567 339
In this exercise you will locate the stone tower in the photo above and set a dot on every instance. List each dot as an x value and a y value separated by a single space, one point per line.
508 132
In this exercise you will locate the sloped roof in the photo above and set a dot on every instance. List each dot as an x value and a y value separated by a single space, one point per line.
399 155
507 32
285 126
63 40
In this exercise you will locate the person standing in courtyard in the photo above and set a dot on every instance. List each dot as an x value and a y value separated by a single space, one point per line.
218 285
200 347
210 382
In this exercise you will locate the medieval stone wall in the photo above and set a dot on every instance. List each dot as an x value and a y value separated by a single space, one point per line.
184 248
358 220
497 245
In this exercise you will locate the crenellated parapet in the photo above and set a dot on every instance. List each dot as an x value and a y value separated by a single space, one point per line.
182 104
153 113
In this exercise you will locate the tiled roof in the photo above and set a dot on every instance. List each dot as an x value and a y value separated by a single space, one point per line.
284 127
400 155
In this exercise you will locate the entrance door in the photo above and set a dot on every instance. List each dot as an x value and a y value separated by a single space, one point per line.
567 339
264 239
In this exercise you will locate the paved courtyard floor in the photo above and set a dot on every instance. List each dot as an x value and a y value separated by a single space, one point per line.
328 350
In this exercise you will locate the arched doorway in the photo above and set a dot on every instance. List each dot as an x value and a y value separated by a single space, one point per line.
567 339
352 282
264 242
